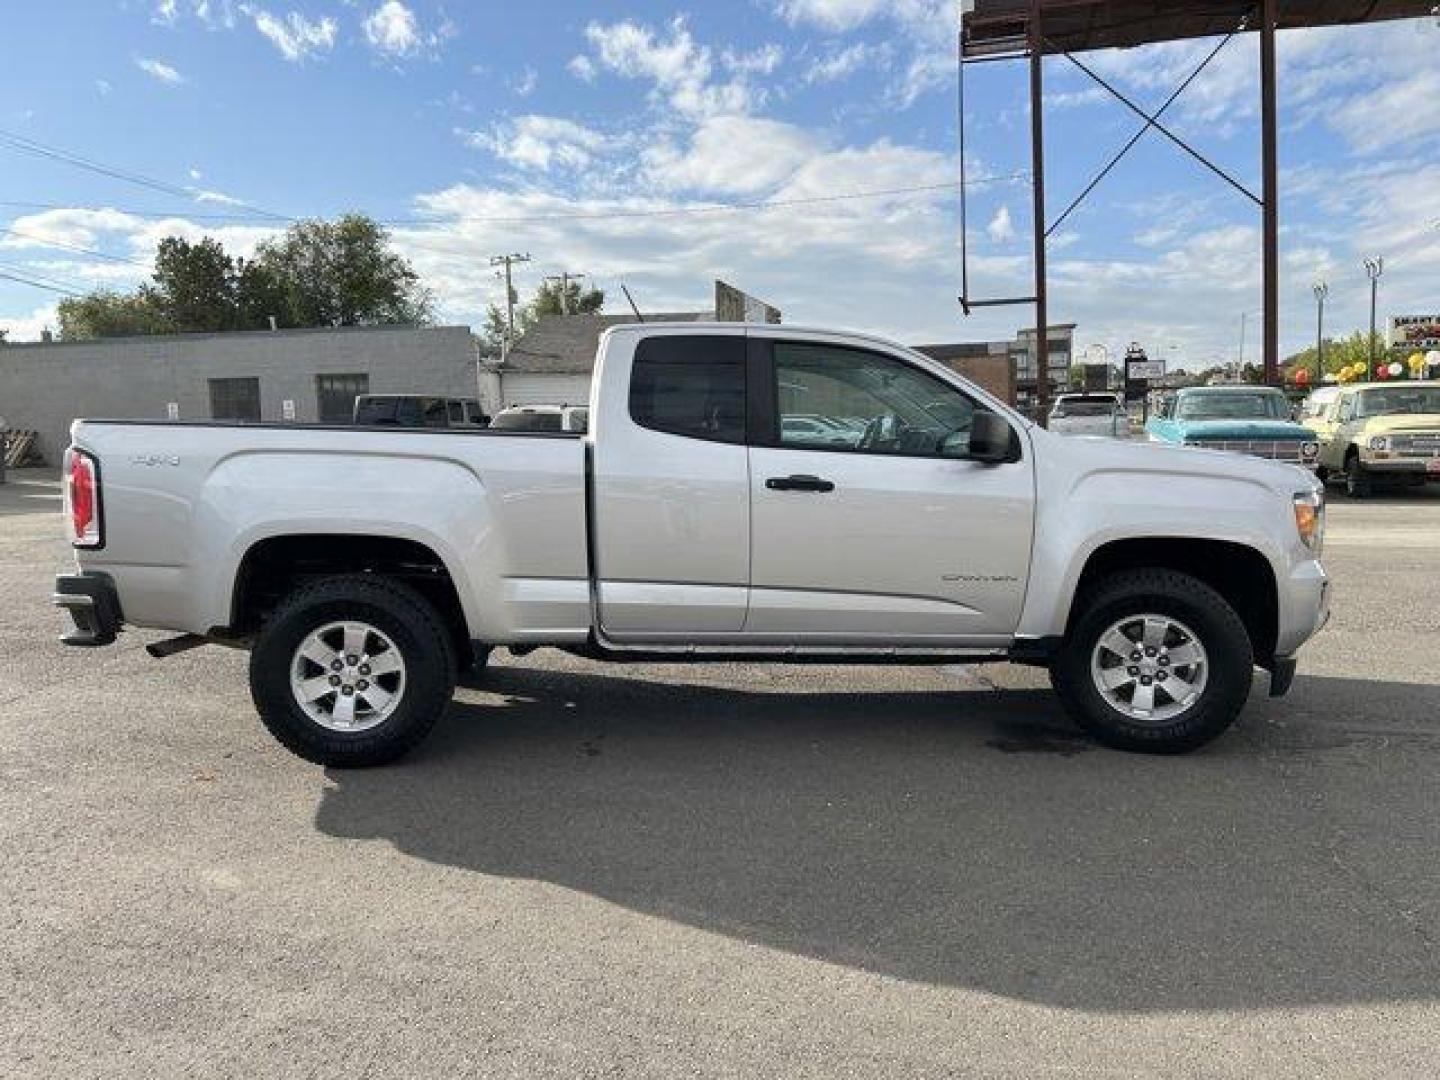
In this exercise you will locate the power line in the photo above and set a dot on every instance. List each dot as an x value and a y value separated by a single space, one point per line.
46 241
26 145
599 215
38 284
712 208
49 279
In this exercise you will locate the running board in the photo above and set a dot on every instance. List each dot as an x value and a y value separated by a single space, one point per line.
782 654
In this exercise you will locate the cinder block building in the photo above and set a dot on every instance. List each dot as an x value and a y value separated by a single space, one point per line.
308 376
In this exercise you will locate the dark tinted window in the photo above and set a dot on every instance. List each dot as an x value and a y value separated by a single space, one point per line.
235 399
690 385
433 412
526 421
401 411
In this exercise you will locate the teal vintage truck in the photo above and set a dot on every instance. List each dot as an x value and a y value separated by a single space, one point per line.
1251 420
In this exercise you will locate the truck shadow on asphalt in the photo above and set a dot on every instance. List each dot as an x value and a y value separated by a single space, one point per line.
969 838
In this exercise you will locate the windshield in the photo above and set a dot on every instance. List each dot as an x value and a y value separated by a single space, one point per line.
1399 399
1240 405
1084 407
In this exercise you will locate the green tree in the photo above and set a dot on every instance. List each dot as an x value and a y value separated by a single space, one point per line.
552 298
195 285
1339 353
318 273
343 273
110 314
259 296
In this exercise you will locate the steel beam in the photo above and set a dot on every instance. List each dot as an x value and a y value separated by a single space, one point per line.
1271 195
1037 182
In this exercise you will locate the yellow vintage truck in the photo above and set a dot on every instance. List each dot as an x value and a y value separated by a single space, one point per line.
1371 433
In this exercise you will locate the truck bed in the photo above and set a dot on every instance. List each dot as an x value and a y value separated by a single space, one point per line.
184 502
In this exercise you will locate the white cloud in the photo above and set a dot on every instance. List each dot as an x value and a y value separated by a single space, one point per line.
761 61
393 30
524 84
839 63
681 69
213 14
217 197
196 174
103 87
293 34
539 142
582 67
160 71
731 155
29 327
1402 111
1001 229
833 14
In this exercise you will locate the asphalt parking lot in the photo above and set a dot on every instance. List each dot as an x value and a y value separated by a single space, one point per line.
724 871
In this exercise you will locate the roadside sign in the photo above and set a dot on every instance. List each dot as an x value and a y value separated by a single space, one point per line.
287 409
172 410
1139 370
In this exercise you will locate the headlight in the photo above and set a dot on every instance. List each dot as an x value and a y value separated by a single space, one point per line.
1310 519
1380 442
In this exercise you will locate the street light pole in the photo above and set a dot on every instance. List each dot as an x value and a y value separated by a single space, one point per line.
1374 267
1322 290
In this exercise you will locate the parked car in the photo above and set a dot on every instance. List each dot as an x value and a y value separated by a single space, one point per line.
570 418
1090 414
687 525
1252 420
820 431
1379 432
418 410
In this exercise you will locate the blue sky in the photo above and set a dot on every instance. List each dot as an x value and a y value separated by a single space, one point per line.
606 139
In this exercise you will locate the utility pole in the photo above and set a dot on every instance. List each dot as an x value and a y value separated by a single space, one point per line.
564 279
1374 267
507 261
1322 290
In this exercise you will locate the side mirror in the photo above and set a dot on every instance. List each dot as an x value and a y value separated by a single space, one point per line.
989 438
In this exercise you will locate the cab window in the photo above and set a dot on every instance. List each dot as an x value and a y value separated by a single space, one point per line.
835 398
690 385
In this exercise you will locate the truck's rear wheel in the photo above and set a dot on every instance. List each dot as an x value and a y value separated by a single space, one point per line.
1155 661
352 671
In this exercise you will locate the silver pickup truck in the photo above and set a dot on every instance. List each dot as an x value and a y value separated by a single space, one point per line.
366 569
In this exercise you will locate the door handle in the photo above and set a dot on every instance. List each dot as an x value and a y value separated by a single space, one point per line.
799 483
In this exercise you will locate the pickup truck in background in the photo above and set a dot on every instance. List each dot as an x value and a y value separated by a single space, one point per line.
364 568
1251 420
1373 433
1090 414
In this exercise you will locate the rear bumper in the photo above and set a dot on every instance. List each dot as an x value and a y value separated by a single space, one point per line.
94 609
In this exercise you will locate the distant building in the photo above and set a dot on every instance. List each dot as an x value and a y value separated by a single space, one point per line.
1007 368
309 376
551 363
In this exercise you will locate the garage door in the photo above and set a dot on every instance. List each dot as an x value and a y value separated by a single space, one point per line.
521 389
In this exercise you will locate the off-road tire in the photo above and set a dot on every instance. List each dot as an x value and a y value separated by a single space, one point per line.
404 616
1220 631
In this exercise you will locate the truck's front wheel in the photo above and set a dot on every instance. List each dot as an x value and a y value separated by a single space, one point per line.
352 671
1155 661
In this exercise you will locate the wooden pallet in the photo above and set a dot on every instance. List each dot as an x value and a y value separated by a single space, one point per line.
21 449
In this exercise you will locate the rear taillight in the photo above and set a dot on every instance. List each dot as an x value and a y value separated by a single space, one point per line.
82 499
